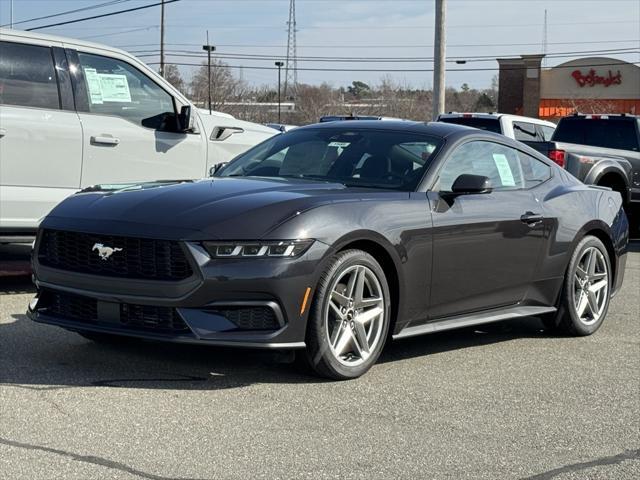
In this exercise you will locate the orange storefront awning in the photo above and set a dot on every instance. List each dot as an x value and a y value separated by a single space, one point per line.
551 108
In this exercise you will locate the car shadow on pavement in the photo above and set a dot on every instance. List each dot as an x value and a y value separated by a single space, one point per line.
39 357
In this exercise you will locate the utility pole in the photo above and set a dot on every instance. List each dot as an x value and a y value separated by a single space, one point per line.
279 65
162 39
11 14
439 54
544 40
209 49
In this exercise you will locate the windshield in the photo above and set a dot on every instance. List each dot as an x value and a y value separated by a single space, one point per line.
489 124
385 159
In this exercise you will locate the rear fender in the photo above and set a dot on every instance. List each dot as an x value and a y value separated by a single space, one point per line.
603 166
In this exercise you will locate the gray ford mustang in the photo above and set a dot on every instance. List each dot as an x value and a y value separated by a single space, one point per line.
332 239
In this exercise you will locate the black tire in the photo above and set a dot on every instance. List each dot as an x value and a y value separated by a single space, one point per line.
105 338
567 320
319 355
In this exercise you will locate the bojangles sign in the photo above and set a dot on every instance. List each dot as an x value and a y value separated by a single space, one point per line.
591 78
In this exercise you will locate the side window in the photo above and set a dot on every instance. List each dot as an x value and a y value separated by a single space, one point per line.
28 76
547 132
497 162
116 88
525 132
534 171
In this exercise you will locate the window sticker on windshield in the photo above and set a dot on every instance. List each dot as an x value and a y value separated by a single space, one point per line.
115 88
93 84
339 144
504 170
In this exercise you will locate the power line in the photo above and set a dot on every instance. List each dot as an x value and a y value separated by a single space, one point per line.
100 16
83 9
370 46
400 70
469 58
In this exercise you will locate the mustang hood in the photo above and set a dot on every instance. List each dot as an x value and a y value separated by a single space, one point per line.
221 208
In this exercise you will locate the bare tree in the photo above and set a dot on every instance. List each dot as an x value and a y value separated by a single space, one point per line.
224 86
172 75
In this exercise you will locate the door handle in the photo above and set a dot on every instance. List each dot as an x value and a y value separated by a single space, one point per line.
531 218
104 140
3 132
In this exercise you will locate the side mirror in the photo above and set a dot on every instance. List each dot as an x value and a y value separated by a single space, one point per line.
214 169
467 184
185 122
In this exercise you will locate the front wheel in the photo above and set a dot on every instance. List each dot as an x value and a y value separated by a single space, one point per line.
349 318
586 292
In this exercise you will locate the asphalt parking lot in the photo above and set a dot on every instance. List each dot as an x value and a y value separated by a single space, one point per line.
507 401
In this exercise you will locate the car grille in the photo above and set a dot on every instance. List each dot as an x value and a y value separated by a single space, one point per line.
250 318
140 258
84 310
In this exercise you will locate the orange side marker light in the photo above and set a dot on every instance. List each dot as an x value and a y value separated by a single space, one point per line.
303 307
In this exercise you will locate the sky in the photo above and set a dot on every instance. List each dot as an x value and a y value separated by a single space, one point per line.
390 29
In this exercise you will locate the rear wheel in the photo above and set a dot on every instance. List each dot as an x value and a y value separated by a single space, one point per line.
586 292
349 319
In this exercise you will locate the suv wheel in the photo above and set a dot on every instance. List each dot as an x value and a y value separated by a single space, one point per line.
349 318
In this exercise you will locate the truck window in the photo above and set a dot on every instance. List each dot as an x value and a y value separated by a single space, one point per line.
117 88
547 132
28 76
525 132
606 133
490 124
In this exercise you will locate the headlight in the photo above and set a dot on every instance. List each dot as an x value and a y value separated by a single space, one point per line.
277 248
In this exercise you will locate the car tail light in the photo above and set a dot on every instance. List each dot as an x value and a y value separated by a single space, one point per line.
467 115
557 156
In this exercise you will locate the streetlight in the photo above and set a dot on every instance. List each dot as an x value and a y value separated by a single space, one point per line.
279 65
209 48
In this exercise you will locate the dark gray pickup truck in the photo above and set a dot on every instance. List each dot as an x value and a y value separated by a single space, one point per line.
601 150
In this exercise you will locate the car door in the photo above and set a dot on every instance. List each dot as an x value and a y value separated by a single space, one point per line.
40 135
486 247
128 122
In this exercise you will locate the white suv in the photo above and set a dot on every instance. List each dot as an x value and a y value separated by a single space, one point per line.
75 114
532 131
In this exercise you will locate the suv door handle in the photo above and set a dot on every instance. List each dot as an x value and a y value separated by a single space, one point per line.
3 132
531 218
104 140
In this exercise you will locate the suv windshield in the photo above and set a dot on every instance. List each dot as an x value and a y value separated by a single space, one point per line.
617 133
490 124
354 157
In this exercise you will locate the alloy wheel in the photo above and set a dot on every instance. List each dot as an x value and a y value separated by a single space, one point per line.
354 315
590 286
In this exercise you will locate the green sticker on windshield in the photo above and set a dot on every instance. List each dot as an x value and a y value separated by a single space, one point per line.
504 170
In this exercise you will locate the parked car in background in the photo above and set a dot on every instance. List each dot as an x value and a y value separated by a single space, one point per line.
339 118
281 127
531 131
74 113
601 150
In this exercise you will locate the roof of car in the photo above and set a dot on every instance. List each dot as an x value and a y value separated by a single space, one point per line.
6 32
439 129
496 115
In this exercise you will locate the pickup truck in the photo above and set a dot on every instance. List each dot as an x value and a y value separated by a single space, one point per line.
531 131
601 150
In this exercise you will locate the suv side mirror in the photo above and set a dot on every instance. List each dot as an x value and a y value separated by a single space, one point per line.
185 122
467 184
